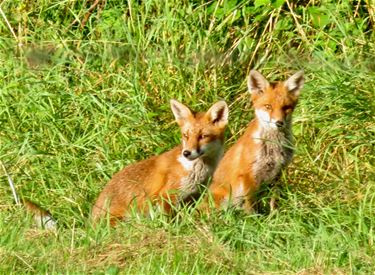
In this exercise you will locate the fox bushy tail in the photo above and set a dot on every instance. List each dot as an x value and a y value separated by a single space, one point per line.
42 218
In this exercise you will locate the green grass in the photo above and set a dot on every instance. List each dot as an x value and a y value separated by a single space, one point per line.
77 105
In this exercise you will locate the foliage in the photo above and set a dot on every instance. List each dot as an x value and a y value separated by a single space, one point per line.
80 100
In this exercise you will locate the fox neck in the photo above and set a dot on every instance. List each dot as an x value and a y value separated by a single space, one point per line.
275 150
282 137
199 171
213 157
267 131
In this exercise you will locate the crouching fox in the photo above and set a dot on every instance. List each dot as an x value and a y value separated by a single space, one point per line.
174 176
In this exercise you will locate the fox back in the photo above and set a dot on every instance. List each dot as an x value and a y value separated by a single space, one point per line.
174 176
266 146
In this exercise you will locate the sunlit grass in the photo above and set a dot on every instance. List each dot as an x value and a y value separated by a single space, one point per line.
78 105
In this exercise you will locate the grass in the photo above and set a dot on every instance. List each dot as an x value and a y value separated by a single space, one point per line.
78 104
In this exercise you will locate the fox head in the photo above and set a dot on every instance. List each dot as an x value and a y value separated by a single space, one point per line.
274 103
202 133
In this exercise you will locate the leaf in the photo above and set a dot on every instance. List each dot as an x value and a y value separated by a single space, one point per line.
229 5
211 8
278 3
259 3
284 24
319 17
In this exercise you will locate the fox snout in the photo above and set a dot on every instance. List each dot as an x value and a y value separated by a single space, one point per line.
278 117
273 121
191 148
192 154
207 149
279 123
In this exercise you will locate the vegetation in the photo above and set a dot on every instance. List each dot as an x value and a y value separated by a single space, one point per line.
85 89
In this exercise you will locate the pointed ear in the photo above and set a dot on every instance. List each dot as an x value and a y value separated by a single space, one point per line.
218 114
180 111
256 82
295 82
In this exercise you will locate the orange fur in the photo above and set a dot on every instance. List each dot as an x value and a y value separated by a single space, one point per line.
174 176
265 147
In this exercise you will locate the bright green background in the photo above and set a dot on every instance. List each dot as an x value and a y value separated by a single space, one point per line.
78 104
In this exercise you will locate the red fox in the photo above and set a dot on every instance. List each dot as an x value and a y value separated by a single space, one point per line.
174 176
266 146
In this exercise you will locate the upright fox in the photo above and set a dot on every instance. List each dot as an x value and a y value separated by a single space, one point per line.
266 146
174 176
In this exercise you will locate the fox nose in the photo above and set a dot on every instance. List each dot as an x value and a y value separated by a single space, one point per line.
186 153
279 123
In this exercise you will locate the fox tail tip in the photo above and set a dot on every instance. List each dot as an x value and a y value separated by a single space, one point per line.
42 218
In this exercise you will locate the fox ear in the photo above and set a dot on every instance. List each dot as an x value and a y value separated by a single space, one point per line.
218 113
295 82
180 111
256 82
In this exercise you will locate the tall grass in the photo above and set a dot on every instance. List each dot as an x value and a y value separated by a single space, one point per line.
80 101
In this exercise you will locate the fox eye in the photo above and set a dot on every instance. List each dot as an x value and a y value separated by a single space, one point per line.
203 136
185 135
287 108
268 106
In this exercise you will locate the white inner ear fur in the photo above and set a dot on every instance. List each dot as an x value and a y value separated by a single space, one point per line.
295 83
256 82
180 111
219 113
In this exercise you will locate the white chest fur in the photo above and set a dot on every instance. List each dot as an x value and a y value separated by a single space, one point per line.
199 172
275 151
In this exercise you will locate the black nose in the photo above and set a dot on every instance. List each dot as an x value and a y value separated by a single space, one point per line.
186 153
279 124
